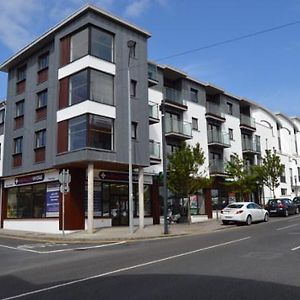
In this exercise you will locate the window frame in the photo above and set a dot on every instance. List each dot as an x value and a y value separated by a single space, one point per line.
133 88
18 145
19 104
197 125
21 70
230 133
41 132
229 108
2 116
194 93
43 92
41 59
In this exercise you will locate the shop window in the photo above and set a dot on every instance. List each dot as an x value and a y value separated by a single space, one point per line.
79 44
102 44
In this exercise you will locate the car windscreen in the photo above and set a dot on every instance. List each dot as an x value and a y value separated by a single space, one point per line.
235 205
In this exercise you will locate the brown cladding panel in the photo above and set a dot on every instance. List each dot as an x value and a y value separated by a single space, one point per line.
74 201
40 154
41 113
19 122
65 51
42 76
63 93
17 160
62 137
21 87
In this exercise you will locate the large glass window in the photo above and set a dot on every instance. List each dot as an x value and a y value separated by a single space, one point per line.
100 132
102 44
20 108
40 138
42 98
18 145
79 44
77 133
102 87
43 61
78 87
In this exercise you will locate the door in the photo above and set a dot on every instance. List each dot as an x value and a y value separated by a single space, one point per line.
119 210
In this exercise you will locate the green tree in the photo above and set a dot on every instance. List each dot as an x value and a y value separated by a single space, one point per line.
271 170
184 176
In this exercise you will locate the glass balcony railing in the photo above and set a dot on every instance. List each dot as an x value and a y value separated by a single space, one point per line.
178 127
251 145
153 110
248 121
218 137
216 166
174 96
152 72
214 109
154 148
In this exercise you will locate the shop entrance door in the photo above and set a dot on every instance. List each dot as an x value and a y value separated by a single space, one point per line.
119 210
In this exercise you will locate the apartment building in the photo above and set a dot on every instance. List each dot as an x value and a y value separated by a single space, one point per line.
67 108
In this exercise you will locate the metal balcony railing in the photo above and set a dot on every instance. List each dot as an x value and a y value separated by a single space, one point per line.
174 96
216 166
218 137
178 127
215 109
154 148
153 110
248 121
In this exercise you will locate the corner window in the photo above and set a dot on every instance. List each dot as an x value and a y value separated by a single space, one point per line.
133 85
43 61
21 73
79 44
20 108
195 123
78 90
40 138
42 99
102 44
194 95
77 133
18 145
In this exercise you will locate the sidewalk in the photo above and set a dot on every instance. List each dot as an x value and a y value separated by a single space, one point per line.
120 233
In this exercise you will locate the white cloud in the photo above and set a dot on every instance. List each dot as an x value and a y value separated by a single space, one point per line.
136 8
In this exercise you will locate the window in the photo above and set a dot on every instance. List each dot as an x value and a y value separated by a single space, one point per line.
195 123
20 108
40 138
102 87
43 61
230 132
298 168
229 108
0 151
100 132
77 133
18 145
133 84
283 192
78 90
79 44
42 98
2 116
21 73
194 95
102 44
282 177
134 130
132 48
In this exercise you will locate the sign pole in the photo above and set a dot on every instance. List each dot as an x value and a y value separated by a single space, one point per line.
63 214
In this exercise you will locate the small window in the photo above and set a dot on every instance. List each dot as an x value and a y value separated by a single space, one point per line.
42 99
20 108
2 116
21 73
134 130
133 85
195 123
40 138
43 61
132 49
194 95
283 192
18 145
230 131
229 108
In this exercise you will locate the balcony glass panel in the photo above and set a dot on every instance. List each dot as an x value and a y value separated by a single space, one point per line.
174 96
216 166
250 145
176 126
246 120
153 110
154 148
217 136
214 109
152 72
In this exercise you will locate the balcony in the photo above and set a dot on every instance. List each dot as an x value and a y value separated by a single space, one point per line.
214 112
174 98
152 75
247 123
178 129
219 139
153 113
154 149
250 146
216 167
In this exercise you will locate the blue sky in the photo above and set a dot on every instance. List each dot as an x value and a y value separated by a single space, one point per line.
264 68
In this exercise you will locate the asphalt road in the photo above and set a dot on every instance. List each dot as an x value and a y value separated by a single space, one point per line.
261 261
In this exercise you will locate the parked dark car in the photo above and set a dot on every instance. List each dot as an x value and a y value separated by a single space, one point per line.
281 207
296 201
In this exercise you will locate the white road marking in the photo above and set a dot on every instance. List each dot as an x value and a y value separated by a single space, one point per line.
296 248
22 248
286 227
124 269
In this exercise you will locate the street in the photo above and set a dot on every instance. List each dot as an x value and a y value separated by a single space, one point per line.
261 261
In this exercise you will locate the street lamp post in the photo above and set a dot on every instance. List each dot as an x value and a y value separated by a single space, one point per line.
131 45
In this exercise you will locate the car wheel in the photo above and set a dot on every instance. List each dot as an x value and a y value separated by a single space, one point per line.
225 222
266 218
248 220
286 213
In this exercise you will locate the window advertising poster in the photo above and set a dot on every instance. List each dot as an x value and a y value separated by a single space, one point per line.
52 200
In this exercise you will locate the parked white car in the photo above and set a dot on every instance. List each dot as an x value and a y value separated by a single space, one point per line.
243 212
